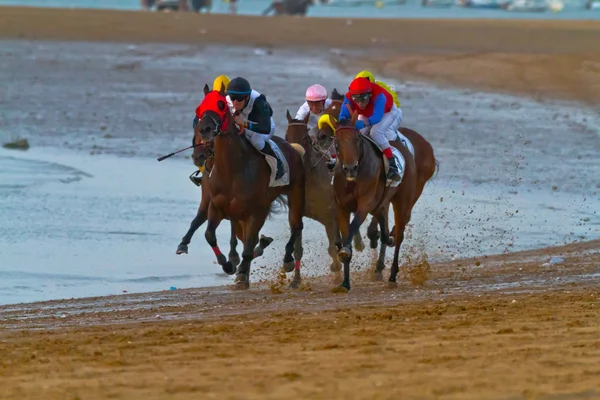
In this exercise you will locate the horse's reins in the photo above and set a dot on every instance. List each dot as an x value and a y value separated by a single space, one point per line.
313 145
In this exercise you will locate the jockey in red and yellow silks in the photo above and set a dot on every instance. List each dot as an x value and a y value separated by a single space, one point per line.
378 116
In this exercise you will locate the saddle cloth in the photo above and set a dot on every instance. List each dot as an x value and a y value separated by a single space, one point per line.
407 143
285 178
400 162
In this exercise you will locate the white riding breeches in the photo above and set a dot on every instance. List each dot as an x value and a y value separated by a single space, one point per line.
386 129
258 140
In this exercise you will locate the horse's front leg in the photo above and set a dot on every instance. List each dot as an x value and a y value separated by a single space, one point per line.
215 217
382 217
253 227
296 202
345 253
196 223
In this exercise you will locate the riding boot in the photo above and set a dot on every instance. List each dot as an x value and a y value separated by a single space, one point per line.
394 173
269 151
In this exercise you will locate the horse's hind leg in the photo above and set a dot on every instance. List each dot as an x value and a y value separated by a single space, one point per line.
198 220
384 243
401 219
234 257
298 253
373 233
214 219
253 227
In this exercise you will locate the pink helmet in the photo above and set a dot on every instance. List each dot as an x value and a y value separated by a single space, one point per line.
316 93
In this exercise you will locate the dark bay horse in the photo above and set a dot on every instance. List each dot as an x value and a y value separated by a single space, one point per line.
360 187
239 187
320 203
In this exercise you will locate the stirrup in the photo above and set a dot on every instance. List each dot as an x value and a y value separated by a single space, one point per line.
331 164
196 180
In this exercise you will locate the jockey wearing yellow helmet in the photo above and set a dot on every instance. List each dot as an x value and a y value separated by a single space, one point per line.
370 77
221 81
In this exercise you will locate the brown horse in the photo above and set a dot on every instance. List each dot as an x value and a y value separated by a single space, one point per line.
424 157
320 203
425 161
239 187
360 187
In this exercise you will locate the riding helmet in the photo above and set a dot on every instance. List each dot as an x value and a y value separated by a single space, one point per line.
239 85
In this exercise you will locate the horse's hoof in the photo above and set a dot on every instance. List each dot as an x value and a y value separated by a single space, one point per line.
376 277
228 268
241 282
392 285
359 245
265 241
344 254
182 249
234 259
288 266
295 284
340 289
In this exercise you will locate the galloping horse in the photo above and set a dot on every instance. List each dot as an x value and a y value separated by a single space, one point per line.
360 187
320 203
425 161
239 186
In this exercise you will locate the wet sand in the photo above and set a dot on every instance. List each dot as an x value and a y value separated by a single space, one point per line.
512 330
533 57
491 327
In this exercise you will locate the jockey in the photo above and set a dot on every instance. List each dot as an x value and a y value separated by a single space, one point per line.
377 114
315 105
371 78
253 114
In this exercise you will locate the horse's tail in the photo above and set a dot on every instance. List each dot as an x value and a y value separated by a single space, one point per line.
279 205
437 167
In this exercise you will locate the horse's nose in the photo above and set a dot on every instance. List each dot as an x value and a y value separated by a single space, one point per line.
351 169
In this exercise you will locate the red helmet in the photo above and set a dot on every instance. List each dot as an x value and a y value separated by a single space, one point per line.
360 86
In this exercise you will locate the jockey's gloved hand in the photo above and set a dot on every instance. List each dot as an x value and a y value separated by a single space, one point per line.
359 125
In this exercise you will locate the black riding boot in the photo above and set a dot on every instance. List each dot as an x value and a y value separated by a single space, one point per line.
393 173
269 151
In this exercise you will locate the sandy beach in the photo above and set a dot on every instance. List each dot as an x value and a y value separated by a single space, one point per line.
512 325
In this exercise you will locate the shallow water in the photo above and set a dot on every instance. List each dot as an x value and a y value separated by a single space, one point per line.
573 9
89 211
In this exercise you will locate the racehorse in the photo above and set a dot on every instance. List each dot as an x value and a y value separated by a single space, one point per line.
425 161
360 187
239 186
320 203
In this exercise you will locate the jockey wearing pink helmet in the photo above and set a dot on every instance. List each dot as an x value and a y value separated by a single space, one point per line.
316 102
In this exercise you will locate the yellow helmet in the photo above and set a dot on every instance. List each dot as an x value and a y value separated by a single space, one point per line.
366 74
221 80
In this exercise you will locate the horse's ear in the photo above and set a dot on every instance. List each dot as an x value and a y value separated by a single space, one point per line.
305 120
288 116
335 95
206 89
222 90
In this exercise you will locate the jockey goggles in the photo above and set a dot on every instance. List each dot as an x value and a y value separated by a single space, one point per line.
360 97
238 96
